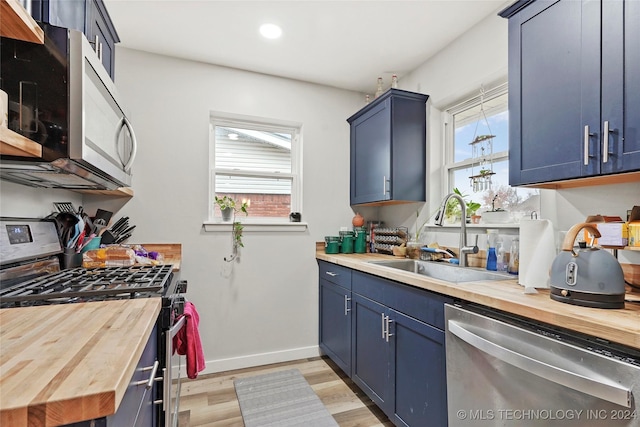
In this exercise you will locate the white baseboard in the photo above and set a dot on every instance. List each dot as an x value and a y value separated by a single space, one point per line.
221 365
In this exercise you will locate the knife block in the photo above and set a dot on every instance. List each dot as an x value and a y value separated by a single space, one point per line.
108 237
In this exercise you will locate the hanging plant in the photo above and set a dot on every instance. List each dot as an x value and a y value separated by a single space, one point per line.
230 206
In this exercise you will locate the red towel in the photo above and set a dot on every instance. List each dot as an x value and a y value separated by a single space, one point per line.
187 341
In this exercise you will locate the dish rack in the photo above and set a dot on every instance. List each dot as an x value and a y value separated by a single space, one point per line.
385 238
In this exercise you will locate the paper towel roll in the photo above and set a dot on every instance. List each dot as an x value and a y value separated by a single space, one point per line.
537 252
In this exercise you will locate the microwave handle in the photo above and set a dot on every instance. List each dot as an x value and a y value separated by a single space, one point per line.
134 149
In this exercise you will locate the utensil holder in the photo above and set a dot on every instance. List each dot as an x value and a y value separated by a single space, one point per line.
71 259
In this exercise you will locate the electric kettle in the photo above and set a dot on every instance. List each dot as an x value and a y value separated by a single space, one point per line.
586 276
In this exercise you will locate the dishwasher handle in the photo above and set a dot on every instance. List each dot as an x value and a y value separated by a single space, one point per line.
610 392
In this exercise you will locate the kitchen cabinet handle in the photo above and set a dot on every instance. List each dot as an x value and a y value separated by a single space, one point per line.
346 302
384 185
331 273
383 326
152 377
579 381
100 52
388 334
605 148
149 383
587 135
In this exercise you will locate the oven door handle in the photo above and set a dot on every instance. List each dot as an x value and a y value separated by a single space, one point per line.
166 394
595 387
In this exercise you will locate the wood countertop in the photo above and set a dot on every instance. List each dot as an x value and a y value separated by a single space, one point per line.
620 326
65 363
171 252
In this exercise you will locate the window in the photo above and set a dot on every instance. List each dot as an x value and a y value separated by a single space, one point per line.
256 161
477 153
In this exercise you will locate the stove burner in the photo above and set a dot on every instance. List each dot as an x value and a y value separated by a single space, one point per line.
79 284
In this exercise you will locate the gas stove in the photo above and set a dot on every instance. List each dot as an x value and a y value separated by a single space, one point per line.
83 285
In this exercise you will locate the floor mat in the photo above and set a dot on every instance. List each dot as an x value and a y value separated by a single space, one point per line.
281 399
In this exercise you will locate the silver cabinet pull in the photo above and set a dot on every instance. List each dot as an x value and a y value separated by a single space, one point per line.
388 321
383 326
587 135
605 147
346 302
149 383
600 388
330 273
384 185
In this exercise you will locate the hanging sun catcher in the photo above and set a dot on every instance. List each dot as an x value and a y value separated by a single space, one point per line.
481 153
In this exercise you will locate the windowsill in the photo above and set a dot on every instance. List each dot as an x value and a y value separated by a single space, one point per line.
481 225
255 226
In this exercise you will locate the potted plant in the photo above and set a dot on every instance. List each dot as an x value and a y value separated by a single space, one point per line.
229 207
453 210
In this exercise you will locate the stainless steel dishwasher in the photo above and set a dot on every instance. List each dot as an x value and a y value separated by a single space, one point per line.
505 371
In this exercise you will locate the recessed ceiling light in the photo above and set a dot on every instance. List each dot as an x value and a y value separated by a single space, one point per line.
270 31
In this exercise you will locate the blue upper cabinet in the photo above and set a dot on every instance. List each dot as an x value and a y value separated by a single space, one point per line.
574 89
388 149
88 16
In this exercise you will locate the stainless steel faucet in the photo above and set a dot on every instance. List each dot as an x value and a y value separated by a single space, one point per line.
464 249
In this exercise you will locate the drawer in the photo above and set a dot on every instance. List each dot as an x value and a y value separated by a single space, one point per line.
335 274
420 304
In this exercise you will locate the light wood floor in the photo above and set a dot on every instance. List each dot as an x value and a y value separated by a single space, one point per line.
210 400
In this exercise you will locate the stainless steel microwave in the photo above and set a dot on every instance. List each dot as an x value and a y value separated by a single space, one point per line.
61 97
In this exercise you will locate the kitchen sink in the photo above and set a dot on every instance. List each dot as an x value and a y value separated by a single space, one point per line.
442 271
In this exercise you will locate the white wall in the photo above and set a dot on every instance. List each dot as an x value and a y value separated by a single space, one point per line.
267 302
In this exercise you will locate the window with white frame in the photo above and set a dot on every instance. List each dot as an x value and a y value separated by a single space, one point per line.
256 161
477 153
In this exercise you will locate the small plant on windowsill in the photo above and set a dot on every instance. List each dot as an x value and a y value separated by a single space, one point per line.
453 211
229 208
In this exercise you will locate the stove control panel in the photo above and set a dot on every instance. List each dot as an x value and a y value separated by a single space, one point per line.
27 238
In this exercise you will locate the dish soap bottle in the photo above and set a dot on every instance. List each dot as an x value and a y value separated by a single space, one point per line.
492 257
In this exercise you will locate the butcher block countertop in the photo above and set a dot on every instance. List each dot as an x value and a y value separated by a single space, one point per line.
65 363
171 252
621 326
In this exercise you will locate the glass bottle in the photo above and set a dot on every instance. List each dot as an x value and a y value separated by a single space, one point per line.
514 256
379 90
500 256
394 81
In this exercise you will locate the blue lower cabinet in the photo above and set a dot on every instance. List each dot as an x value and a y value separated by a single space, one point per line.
335 324
418 373
388 337
371 353
398 360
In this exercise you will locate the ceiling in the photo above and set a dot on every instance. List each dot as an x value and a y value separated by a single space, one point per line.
345 44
